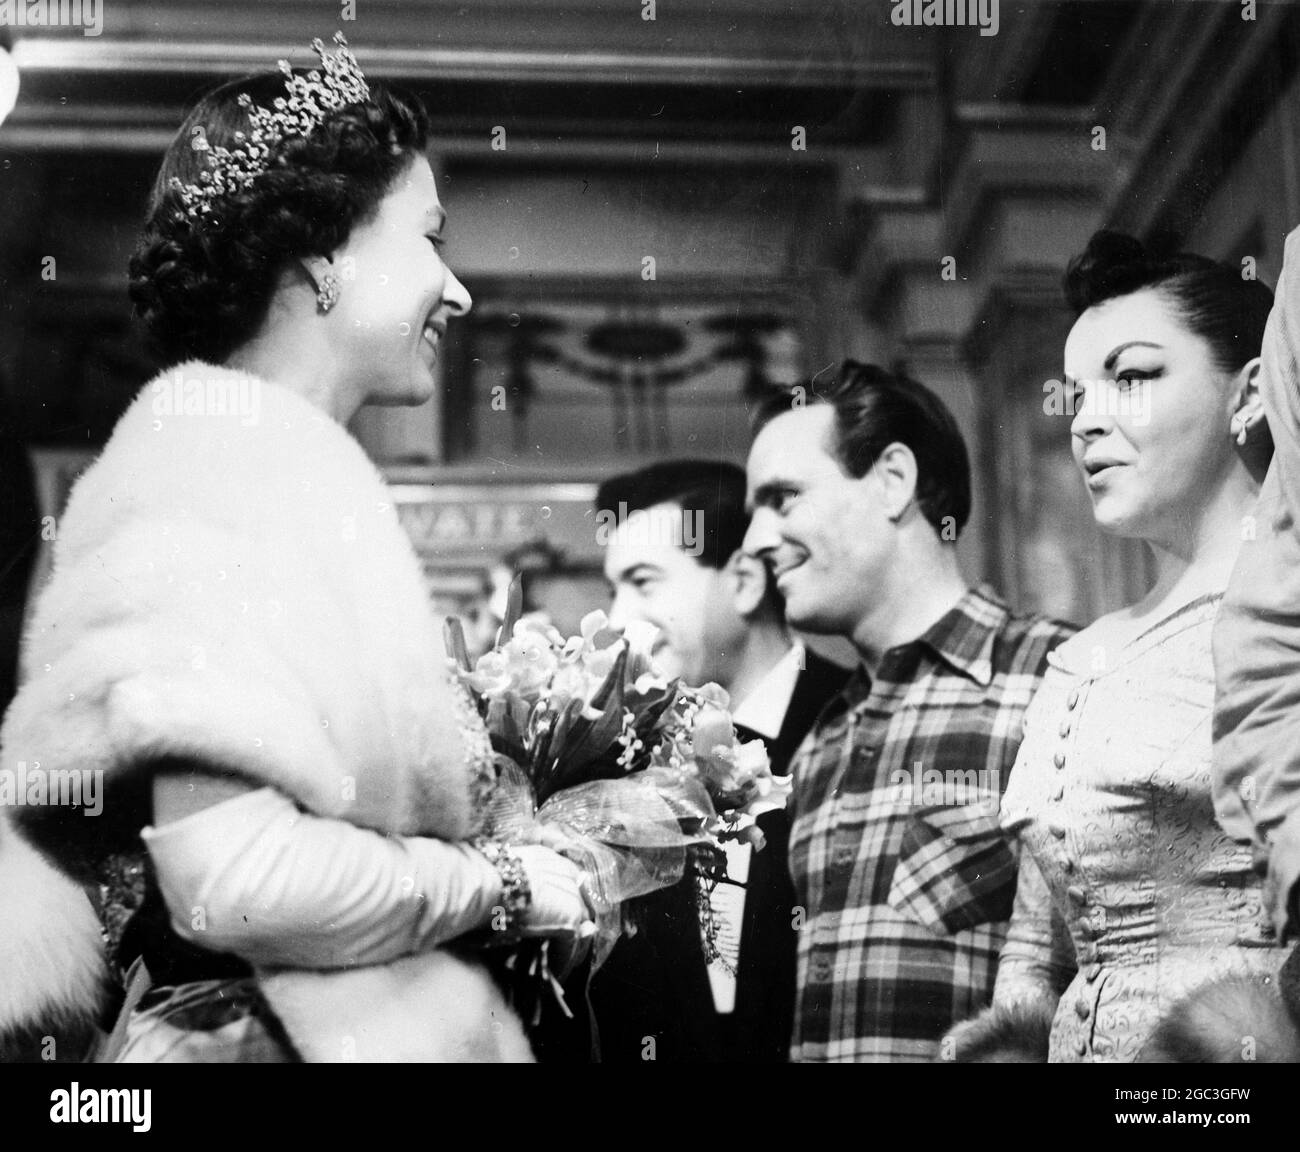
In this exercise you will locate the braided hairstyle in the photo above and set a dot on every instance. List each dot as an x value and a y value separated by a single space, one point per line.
202 286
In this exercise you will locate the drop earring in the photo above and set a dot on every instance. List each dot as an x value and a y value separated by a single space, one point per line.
328 293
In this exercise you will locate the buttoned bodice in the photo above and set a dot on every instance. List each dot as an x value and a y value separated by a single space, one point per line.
1130 882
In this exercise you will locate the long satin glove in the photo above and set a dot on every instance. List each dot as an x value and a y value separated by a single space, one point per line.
558 905
256 877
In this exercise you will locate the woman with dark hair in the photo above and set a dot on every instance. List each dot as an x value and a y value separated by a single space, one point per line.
1130 895
276 777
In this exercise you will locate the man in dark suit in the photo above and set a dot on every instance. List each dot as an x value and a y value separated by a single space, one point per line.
672 534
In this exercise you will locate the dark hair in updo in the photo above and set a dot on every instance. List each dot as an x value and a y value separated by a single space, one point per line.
1213 299
202 287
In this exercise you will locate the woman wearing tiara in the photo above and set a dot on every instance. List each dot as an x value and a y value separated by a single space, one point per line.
236 656
1130 894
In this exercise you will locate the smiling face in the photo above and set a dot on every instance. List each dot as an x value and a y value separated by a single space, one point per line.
396 294
658 581
1152 415
825 536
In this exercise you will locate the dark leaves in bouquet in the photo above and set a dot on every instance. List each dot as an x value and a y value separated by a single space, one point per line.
507 731
651 722
586 748
543 729
514 610
453 633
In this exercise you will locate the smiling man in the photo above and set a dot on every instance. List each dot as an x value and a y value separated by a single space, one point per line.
672 535
858 493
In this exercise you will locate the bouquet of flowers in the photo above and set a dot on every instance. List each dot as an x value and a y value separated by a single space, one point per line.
635 777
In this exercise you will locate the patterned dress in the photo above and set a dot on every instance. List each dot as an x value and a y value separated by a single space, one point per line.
1130 894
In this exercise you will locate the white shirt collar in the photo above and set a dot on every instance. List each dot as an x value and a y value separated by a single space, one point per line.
764 709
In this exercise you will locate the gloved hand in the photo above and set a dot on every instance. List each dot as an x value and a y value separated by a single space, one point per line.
558 904
283 888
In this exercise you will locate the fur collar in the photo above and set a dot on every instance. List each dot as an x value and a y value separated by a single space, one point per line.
231 585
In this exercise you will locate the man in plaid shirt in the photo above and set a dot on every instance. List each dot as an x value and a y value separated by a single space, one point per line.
905 880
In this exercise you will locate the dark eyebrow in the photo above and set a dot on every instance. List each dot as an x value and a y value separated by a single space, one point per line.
631 571
1110 360
766 492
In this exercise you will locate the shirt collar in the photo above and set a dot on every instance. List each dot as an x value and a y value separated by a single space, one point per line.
764 709
963 637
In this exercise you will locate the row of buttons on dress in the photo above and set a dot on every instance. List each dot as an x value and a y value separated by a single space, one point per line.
1058 790
1077 894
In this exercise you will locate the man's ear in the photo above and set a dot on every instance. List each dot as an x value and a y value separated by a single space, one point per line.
895 472
748 579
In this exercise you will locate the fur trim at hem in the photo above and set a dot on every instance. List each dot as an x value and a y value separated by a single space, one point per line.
1003 1034
434 1007
61 940
1234 1020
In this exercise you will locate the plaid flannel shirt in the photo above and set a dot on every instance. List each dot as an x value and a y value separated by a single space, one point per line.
904 875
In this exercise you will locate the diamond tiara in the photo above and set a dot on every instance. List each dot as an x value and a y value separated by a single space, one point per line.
310 99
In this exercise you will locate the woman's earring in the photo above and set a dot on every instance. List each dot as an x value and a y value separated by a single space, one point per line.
1240 425
328 294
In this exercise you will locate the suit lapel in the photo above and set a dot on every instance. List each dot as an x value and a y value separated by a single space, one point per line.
764 1014
817 683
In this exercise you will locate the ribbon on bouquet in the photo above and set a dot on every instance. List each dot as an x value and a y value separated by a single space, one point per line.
630 834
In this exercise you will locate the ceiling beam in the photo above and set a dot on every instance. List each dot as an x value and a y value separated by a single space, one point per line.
67 56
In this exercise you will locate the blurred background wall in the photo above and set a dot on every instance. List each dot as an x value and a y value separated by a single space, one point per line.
659 217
